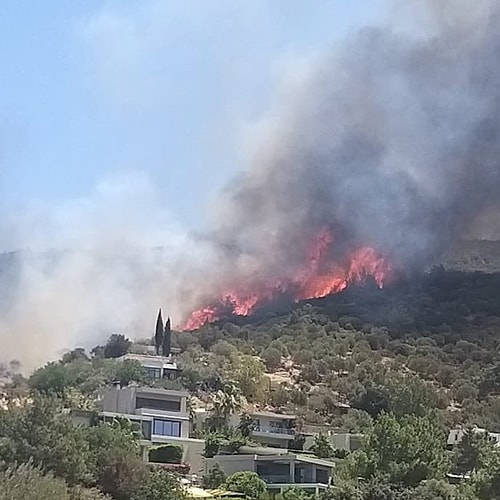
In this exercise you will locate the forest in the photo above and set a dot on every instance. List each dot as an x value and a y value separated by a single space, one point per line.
401 365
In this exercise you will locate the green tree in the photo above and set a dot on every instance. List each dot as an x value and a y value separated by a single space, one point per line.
249 375
166 346
246 482
344 490
297 443
402 451
28 483
75 354
53 378
212 444
409 395
25 482
486 481
373 401
246 425
224 403
214 478
293 493
116 346
122 475
159 485
80 493
158 333
473 452
114 457
272 358
434 489
128 371
41 433
322 447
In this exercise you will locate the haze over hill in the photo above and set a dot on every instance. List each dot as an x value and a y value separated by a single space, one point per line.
16 291
385 145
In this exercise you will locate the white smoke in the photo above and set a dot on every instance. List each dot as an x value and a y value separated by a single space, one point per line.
91 266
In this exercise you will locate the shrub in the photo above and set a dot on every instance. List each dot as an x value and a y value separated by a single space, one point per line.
169 454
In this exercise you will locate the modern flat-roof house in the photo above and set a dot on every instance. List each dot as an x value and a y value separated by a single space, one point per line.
273 429
161 412
157 367
163 417
278 470
339 439
456 435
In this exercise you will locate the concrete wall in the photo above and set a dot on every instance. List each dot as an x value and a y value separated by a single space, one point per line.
123 400
163 396
269 440
342 441
119 400
232 463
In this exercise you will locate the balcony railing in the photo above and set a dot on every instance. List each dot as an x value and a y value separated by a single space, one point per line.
276 478
274 430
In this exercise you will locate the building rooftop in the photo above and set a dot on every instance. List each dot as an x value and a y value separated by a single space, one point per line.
163 392
270 414
145 358
280 457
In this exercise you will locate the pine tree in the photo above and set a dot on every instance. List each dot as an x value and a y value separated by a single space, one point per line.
167 338
159 333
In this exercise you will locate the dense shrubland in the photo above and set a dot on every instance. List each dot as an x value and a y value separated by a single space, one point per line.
409 362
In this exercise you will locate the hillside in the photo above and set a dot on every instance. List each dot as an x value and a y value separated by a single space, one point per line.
475 255
443 328
402 366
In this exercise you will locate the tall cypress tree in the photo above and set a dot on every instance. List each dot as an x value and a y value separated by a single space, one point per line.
159 333
167 339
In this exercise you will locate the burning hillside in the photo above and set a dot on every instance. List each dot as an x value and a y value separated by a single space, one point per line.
319 275
391 142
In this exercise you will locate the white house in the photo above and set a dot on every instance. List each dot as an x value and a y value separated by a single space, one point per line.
456 435
157 367
162 415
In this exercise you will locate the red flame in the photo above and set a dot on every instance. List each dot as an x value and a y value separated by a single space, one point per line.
318 277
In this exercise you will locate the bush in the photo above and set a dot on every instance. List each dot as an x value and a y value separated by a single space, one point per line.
212 445
169 454
29 483
246 482
159 485
214 478
116 346
272 358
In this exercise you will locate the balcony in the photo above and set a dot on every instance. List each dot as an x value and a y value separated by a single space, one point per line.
267 429
276 478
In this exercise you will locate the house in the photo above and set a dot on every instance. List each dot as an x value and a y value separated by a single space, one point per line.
162 415
339 439
456 435
345 440
161 412
157 367
279 470
273 429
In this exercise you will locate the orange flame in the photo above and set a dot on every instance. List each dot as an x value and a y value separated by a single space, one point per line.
318 277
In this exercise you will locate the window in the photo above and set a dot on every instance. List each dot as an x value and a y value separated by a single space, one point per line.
158 404
167 428
322 476
146 429
153 372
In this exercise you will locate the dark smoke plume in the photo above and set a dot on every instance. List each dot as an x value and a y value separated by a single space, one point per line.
393 141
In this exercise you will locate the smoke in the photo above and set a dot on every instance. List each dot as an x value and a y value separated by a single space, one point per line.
391 140
89 267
